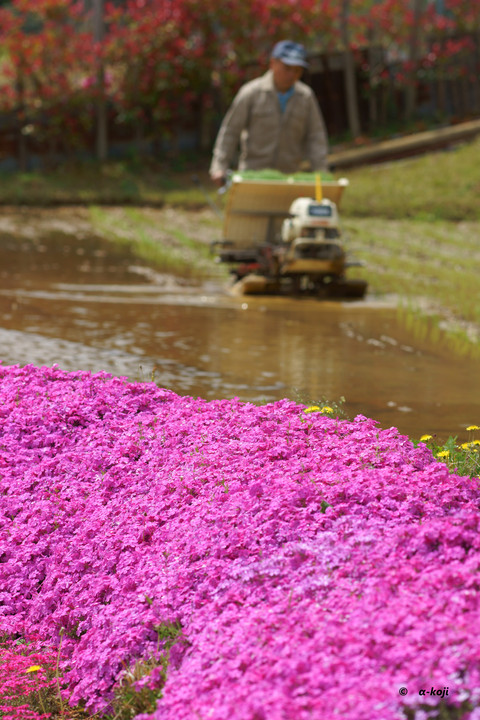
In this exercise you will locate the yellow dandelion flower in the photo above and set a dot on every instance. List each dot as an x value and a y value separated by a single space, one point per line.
327 409
466 446
475 442
312 408
33 668
426 438
470 428
443 453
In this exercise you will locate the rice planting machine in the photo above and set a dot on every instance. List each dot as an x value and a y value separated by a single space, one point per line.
283 236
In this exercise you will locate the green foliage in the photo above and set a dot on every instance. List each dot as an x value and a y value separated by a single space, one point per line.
142 684
163 62
442 711
462 459
131 699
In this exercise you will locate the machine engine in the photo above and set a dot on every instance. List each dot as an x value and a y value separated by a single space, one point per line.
311 240
310 218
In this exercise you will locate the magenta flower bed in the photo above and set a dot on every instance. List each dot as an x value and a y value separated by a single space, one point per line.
316 566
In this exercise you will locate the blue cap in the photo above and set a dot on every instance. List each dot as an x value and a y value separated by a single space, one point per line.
290 53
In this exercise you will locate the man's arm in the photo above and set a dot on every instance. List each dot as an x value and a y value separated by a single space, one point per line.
228 137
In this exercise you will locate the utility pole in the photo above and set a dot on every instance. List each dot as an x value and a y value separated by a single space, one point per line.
101 108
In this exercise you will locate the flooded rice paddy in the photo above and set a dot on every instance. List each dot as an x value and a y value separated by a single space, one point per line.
73 299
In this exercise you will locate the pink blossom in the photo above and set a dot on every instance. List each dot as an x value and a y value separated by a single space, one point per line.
287 565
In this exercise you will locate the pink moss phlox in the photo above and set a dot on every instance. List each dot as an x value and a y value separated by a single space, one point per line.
290 565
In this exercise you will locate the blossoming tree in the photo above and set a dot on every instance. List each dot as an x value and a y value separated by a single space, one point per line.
168 64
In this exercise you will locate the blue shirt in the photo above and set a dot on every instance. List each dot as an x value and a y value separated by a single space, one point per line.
284 97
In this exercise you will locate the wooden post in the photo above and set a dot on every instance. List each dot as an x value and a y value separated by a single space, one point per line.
101 110
349 72
416 36
22 138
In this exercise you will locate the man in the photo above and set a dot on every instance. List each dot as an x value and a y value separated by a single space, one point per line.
275 119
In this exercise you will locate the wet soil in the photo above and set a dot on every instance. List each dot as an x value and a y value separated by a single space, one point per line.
71 297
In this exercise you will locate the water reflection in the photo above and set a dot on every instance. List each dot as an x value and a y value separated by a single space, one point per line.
84 304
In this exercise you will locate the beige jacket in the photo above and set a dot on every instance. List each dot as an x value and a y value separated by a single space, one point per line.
268 138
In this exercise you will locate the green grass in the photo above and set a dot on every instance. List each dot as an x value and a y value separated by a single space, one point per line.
463 459
438 186
431 267
415 225
168 247
114 183
439 259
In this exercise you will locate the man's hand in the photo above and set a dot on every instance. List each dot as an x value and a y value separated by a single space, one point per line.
218 179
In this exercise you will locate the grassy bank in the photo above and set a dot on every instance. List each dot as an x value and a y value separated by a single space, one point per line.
430 266
173 241
415 224
114 183
438 186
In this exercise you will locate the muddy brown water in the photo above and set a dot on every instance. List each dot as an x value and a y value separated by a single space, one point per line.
82 303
